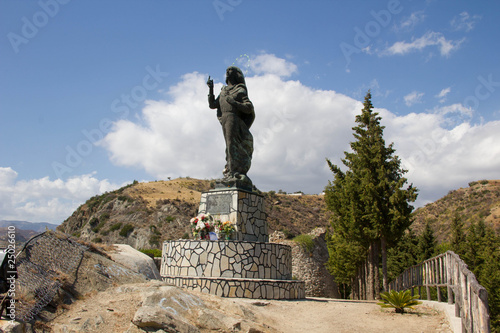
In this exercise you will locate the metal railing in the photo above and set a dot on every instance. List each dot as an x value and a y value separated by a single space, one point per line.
449 271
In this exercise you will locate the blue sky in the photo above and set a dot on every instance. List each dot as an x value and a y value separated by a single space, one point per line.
96 94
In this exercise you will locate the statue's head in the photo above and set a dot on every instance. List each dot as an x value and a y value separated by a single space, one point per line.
235 74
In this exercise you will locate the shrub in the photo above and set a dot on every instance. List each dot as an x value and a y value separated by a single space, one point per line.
126 230
169 219
288 234
305 241
115 226
151 252
125 198
398 300
154 240
97 240
94 221
97 228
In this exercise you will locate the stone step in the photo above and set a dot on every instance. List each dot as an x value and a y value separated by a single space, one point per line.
241 287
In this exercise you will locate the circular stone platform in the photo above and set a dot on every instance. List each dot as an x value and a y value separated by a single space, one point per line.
231 268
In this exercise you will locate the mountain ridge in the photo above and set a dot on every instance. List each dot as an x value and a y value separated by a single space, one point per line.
144 215
26 225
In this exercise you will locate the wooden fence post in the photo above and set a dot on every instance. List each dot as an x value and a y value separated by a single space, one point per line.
449 279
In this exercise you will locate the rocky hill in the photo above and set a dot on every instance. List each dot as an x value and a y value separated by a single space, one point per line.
481 200
144 215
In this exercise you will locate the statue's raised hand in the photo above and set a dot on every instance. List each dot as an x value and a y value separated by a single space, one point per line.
210 83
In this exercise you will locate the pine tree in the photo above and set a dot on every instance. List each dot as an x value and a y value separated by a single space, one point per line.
457 236
426 242
475 247
403 255
370 202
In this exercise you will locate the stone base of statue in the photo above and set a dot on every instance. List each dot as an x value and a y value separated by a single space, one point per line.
246 266
243 208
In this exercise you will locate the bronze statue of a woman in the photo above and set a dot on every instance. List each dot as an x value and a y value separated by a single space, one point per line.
236 114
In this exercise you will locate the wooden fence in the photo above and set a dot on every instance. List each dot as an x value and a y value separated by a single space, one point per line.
449 271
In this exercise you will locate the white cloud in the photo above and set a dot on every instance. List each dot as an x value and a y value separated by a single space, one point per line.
408 23
429 39
45 200
270 64
442 94
454 108
440 159
454 114
413 98
464 22
296 128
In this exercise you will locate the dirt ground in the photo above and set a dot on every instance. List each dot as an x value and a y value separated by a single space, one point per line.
332 315
113 311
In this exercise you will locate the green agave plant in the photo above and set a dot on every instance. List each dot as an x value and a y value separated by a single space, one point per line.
399 300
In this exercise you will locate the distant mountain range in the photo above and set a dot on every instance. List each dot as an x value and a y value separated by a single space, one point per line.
25 225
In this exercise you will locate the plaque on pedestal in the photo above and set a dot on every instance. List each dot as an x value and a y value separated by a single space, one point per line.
243 208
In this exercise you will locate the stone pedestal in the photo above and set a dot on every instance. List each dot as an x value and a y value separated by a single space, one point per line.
244 209
231 268
245 266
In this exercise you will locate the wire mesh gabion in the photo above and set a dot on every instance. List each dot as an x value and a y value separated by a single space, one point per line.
45 261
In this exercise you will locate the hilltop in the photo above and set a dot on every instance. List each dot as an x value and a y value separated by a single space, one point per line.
481 200
145 214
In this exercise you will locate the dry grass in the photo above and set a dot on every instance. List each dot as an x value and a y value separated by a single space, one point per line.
184 189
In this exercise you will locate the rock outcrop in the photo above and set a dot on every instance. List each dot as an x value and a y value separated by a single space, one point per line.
135 260
156 307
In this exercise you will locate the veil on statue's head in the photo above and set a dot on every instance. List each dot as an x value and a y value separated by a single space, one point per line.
238 75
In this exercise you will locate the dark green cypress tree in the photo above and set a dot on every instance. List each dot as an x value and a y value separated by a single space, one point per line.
457 236
403 255
370 201
475 246
426 242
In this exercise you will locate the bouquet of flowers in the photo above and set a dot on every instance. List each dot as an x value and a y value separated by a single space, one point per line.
202 225
226 229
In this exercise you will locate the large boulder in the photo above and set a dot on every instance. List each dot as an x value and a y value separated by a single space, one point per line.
156 307
135 260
